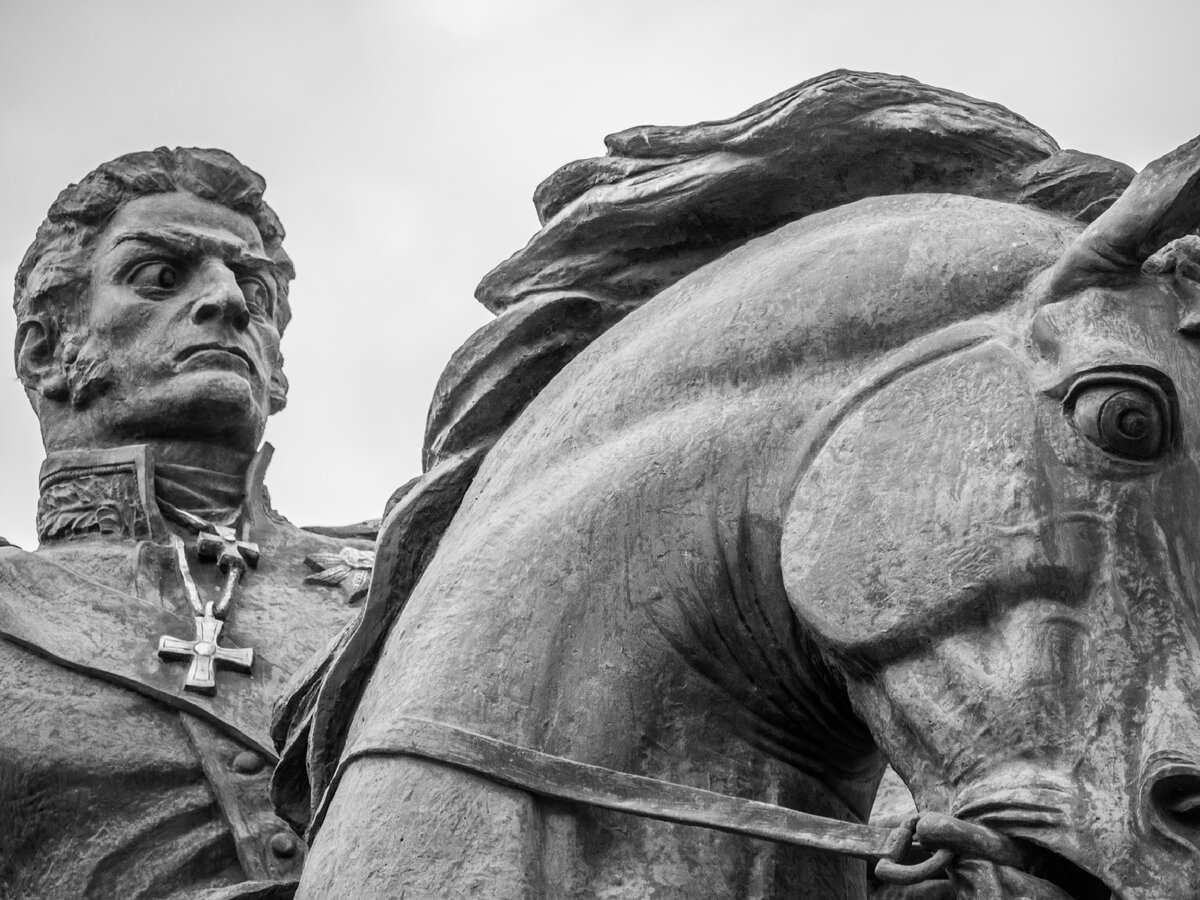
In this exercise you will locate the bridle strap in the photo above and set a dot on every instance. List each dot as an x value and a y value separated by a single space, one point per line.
557 778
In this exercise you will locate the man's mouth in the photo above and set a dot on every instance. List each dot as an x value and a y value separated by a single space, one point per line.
219 354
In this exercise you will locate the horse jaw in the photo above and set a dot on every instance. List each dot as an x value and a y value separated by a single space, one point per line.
1014 608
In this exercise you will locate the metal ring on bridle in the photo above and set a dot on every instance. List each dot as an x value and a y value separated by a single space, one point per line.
950 838
899 873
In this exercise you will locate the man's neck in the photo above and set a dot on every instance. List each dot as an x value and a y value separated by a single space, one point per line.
200 479
200 455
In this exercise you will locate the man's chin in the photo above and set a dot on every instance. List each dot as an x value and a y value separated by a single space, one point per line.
216 406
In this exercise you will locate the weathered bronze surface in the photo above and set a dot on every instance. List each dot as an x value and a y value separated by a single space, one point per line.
828 436
150 310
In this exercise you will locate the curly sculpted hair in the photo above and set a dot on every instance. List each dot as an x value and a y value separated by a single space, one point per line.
51 282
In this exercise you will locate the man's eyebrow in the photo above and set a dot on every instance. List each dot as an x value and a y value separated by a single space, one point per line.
189 242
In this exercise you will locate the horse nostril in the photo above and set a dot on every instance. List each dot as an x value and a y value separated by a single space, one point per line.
1175 795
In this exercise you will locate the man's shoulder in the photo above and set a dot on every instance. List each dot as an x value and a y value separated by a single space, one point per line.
359 532
12 556
320 537
324 560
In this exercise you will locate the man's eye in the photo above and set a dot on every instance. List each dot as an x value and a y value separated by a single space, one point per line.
257 294
1126 415
156 276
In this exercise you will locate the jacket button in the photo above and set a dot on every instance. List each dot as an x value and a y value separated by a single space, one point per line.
248 762
283 844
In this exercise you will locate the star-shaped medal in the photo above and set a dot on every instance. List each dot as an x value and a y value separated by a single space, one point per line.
350 570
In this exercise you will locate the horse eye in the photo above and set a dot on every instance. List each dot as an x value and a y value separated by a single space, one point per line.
1129 418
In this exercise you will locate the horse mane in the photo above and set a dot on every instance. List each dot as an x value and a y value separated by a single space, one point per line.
619 229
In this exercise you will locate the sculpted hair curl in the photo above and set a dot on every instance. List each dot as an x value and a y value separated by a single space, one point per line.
52 279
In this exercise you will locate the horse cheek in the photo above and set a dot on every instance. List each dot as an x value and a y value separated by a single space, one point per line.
910 518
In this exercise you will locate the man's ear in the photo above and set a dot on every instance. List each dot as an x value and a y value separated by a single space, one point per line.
38 357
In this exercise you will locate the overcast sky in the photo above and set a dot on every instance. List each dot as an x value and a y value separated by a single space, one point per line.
401 142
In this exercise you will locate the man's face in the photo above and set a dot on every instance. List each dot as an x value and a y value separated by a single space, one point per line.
181 331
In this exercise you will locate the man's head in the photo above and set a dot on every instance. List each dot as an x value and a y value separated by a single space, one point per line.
151 303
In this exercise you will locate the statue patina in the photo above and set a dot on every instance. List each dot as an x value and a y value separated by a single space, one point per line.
858 429
167 603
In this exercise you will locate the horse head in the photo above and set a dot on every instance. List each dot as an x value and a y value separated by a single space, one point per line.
997 544
910 479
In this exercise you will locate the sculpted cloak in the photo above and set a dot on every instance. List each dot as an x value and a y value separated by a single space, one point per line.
115 781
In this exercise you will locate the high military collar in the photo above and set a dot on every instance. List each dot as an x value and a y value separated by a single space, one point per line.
121 493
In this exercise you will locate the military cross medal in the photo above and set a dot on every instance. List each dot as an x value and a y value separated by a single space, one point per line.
223 545
204 652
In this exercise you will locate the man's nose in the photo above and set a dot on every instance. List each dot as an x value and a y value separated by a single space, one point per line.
221 298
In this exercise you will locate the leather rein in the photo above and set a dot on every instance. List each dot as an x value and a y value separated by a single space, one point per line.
556 778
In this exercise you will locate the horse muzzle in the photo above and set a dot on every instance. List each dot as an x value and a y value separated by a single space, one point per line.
972 861
1152 855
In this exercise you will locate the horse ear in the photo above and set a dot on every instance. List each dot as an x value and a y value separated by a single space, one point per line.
1162 203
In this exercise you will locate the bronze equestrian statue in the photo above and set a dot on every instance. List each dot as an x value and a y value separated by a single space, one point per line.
851 441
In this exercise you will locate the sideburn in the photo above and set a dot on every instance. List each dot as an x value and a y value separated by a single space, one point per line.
88 373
